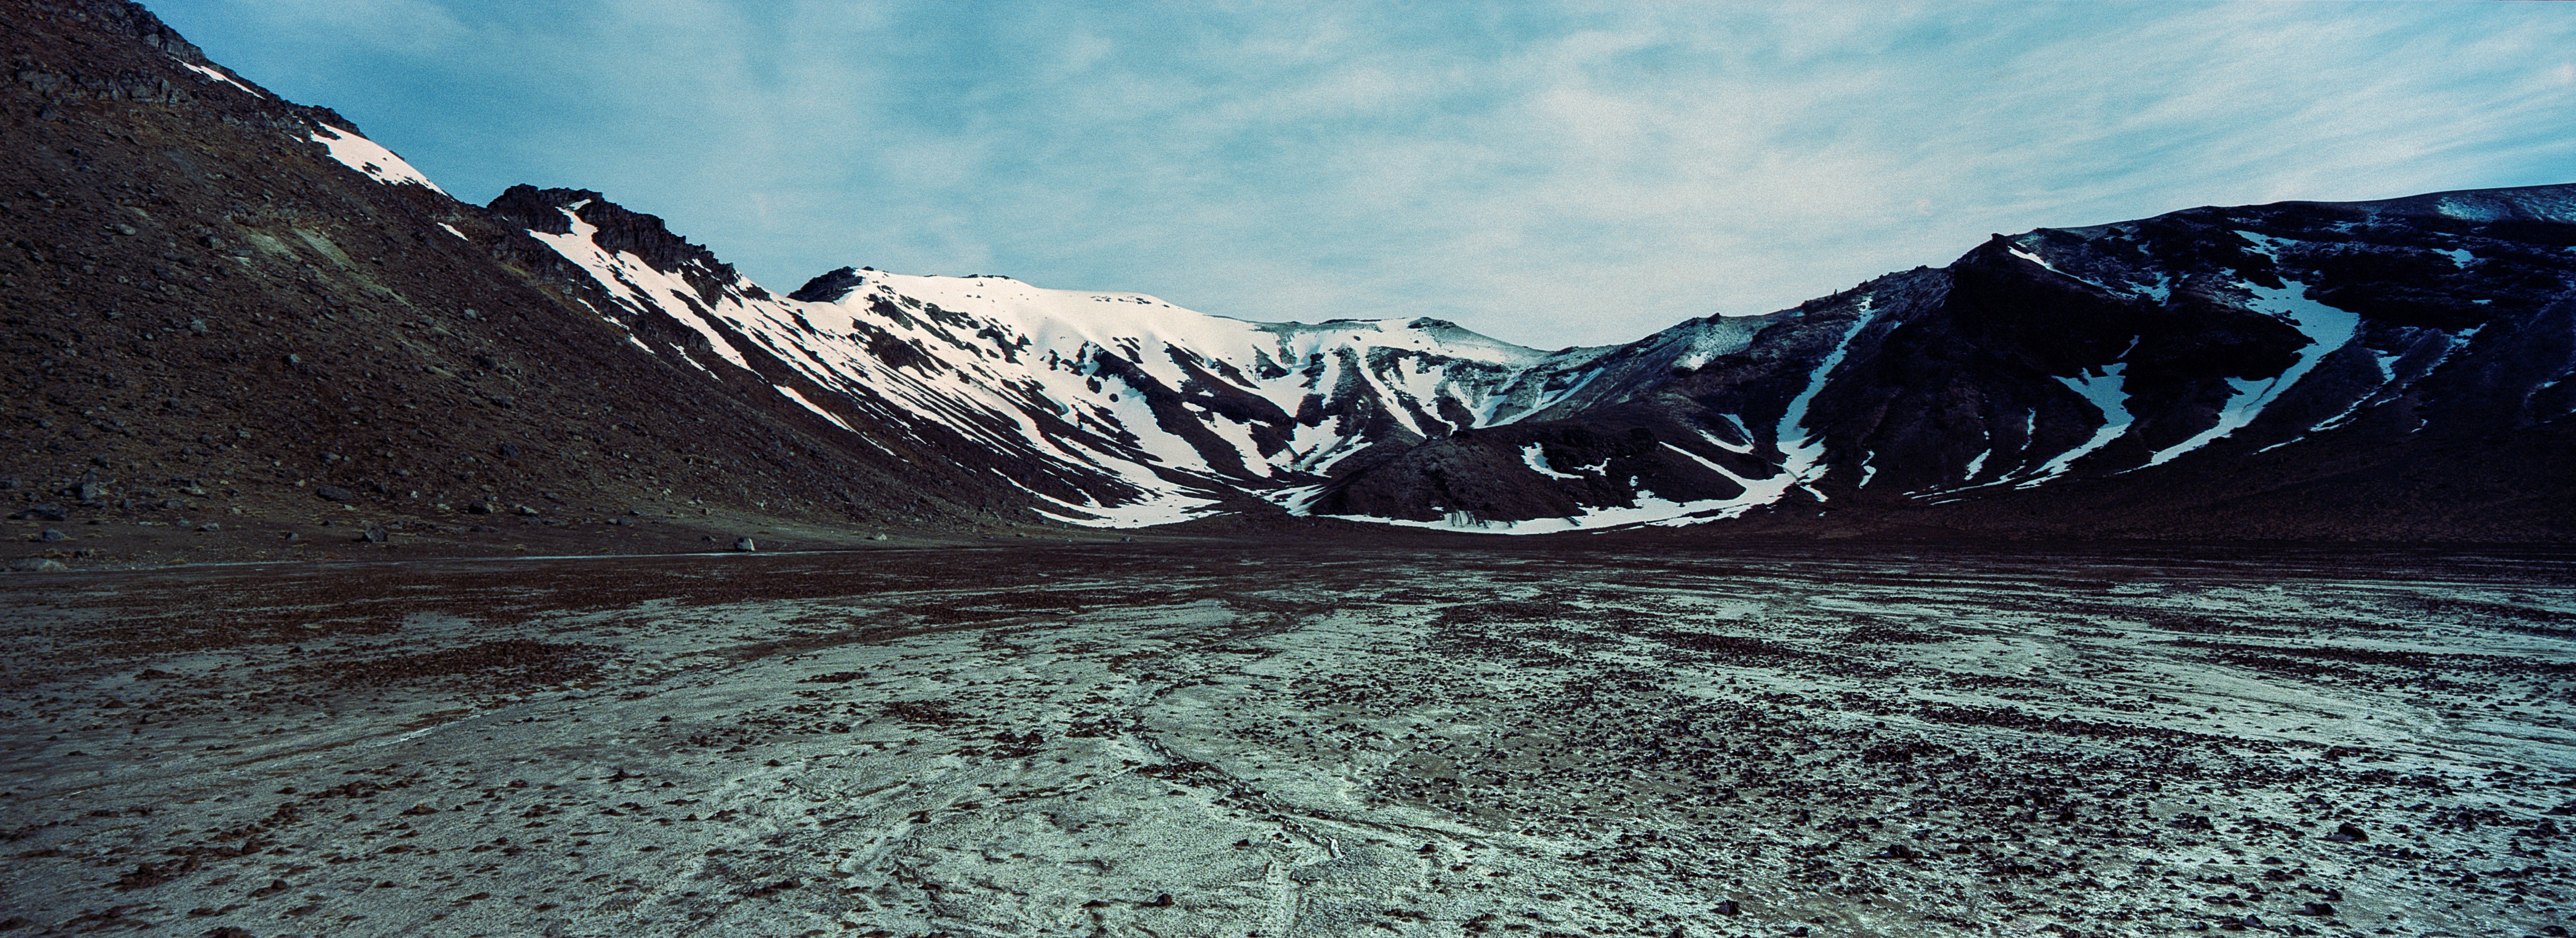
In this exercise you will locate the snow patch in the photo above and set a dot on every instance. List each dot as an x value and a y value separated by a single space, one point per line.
809 405
371 158
1800 460
1535 457
1162 509
2107 395
2327 329
226 79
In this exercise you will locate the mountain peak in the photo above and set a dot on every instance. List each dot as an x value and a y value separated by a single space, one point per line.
829 287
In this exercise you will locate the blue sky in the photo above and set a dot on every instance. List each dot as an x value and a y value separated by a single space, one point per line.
1551 174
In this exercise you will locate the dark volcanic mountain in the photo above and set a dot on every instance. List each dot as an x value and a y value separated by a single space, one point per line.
211 290
2381 369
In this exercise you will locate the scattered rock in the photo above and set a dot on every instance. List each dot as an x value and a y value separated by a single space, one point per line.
333 493
375 534
92 490
210 526
48 513
745 545
523 509
478 508
419 810
51 535
1729 907
879 536
37 565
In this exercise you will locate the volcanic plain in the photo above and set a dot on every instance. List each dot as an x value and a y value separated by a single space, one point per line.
1174 738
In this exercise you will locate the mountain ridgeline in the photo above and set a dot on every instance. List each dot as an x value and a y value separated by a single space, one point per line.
207 281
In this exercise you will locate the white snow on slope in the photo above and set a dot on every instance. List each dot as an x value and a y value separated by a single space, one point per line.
1802 456
2107 395
1649 509
1535 457
998 361
2327 329
629 278
226 79
371 158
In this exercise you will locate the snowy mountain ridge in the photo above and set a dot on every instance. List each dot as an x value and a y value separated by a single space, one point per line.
1119 407
1122 409
2357 370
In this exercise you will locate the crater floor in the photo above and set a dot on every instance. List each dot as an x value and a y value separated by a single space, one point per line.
1218 740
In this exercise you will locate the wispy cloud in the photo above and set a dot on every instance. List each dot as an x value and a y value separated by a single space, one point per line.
1552 175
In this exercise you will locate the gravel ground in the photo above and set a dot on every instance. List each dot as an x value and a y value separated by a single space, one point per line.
1270 741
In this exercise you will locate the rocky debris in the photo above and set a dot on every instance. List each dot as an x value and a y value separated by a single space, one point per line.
37 565
478 507
374 534
45 513
50 535
333 493
744 544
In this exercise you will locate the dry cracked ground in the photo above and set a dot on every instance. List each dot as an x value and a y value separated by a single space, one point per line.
1211 740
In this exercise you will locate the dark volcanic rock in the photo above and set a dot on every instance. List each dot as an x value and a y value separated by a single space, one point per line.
241 303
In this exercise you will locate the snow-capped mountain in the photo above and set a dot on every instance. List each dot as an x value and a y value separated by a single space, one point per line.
2052 356
1117 408
2169 358
2298 369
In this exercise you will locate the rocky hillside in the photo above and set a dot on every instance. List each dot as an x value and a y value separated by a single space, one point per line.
223 305
2389 369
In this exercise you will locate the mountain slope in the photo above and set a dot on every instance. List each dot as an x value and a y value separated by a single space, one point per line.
210 289
219 304
2145 365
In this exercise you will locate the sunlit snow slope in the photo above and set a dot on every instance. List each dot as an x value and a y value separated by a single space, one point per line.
1119 408
2034 361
